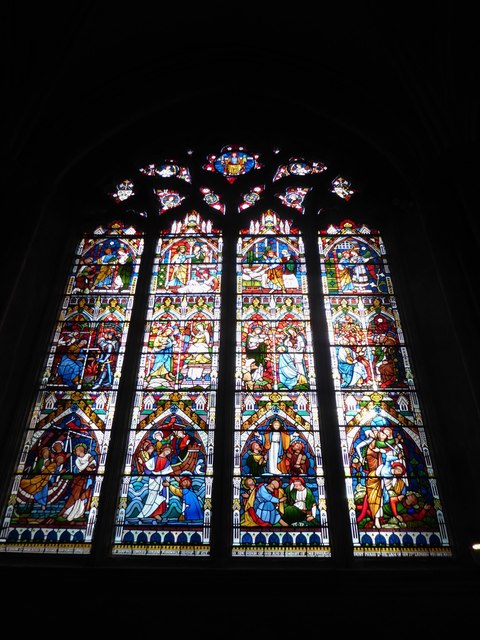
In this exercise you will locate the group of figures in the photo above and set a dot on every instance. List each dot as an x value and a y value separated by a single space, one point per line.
369 356
359 269
278 478
87 358
58 478
108 266
179 353
273 270
389 480
372 367
167 481
86 353
188 268
275 356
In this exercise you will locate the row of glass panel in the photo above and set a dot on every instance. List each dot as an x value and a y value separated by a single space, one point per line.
166 498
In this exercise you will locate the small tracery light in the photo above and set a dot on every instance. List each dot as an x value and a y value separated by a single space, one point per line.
294 197
342 188
168 198
251 198
124 190
212 199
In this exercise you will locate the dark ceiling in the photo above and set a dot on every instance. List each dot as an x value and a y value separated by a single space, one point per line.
400 80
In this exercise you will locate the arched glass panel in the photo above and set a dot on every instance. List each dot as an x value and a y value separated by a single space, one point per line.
165 501
279 506
55 490
393 498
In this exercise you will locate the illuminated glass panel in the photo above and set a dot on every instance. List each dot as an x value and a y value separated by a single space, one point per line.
123 191
393 498
234 161
298 167
279 506
168 169
294 197
165 497
55 491
164 504
168 198
342 188
251 198
212 199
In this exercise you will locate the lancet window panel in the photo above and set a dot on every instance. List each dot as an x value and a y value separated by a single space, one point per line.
54 497
165 501
393 498
279 506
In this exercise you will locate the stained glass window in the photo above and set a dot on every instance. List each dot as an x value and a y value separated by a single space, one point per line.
165 502
391 485
279 504
55 490
211 318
